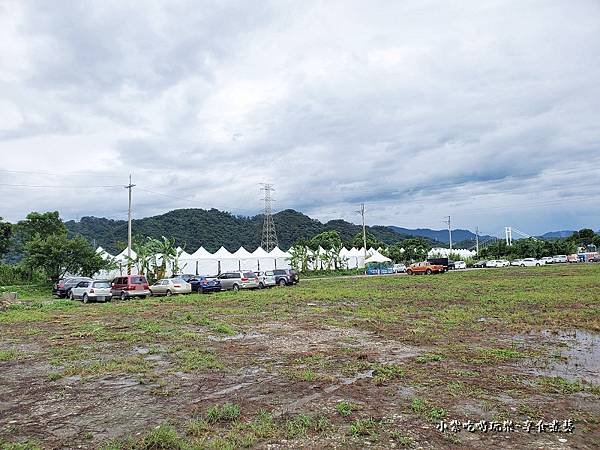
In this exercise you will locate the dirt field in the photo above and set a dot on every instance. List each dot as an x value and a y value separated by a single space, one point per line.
342 363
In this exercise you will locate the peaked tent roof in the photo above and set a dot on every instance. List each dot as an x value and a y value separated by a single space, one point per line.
222 253
278 253
123 255
260 253
377 258
242 253
201 253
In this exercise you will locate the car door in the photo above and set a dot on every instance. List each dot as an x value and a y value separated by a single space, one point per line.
226 281
157 288
79 289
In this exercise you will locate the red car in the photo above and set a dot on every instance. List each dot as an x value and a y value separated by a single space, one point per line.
130 286
425 267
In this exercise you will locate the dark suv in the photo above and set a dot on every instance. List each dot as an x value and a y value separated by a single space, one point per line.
63 287
285 277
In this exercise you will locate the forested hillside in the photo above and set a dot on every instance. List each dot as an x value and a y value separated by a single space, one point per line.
213 228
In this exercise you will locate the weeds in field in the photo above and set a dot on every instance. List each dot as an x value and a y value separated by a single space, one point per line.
424 409
401 439
199 360
7 355
223 413
363 427
345 408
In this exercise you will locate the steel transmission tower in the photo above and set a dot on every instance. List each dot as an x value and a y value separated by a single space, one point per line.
269 235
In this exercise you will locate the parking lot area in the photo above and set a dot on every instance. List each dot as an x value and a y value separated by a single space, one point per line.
384 361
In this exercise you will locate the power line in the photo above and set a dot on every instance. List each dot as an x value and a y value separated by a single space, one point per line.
54 186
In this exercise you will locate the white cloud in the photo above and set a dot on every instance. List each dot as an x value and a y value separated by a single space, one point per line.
484 110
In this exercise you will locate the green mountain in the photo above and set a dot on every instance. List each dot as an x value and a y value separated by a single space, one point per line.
212 229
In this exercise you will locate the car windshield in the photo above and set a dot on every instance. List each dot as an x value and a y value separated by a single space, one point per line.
101 284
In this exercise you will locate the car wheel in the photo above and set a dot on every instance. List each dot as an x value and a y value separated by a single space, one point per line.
235 288
537 265
168 293
261 285
70 295
522 265
281 282
409 272
85 298
428 272
142 296
123 295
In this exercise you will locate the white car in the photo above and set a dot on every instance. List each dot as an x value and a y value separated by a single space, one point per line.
531 262
502 263
399 268
266 279
560 259
87 290
491 263
516 262
460 265
547 260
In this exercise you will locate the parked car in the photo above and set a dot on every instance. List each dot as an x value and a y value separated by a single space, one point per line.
573 258
460 265
530 262
502 263
203 284
492 263
447 263
399 268
558 259
238 280
88 290
171 286
62 289
516 262
266 279
285 277
480 264
426 268
547 260
130 286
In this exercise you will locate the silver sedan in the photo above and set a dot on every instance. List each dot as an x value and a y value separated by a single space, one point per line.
170 286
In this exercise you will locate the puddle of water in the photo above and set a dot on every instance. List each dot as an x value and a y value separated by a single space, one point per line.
578 354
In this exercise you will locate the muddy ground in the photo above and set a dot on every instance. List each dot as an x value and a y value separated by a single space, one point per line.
381 362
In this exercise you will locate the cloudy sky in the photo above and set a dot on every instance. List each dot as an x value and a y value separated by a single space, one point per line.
487 111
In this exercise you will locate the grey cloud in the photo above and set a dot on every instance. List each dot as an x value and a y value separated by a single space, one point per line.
420 109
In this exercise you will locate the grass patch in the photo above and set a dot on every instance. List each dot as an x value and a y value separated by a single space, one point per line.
199 360
363 427
8 355
426 410
223 413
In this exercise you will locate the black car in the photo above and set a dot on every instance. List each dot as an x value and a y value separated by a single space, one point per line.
202 284
447 263
285 277
62 288
480 264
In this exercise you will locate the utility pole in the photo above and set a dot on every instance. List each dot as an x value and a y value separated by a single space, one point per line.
449 231
129 187
477 240
361 211
269 235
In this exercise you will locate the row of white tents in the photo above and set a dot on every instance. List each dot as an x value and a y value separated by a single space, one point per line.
202 262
